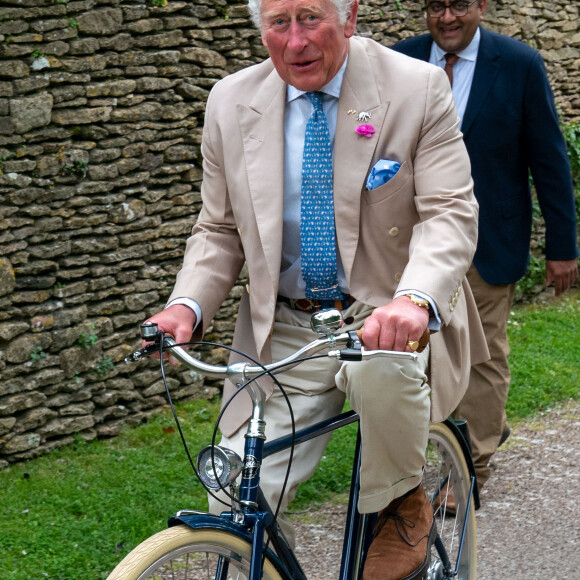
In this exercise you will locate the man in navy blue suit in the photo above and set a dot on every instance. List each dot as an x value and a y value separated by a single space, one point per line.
510 127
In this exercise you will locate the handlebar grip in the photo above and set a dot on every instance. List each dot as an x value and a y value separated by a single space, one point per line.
415 345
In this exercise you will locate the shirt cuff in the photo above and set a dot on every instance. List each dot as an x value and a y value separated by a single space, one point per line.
190 304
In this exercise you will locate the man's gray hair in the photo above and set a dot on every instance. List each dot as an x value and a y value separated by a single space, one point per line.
254 7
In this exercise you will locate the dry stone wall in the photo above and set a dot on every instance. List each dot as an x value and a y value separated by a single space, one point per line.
101 113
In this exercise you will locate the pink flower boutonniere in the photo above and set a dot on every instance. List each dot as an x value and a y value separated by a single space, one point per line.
365 130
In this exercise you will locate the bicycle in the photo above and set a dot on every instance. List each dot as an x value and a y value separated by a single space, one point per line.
232 545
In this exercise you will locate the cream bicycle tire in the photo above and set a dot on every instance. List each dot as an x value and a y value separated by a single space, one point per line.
183 553
445 462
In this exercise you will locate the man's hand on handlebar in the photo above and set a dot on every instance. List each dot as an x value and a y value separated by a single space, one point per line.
390 327
177 321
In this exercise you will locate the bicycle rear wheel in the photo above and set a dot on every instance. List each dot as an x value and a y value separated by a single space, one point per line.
182 553
447 478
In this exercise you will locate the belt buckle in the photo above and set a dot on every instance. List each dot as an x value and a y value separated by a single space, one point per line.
305 305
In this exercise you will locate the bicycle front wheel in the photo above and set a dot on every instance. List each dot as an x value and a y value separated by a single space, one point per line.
182 553
447 482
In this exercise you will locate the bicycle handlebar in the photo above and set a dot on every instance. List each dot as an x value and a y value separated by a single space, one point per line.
353 350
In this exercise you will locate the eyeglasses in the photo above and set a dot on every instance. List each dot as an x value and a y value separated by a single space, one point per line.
458 8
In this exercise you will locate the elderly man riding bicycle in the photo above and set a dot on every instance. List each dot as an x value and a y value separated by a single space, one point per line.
336 172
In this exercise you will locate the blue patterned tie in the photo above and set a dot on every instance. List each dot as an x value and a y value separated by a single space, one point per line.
317 232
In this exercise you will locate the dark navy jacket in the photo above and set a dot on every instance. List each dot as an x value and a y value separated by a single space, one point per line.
511 126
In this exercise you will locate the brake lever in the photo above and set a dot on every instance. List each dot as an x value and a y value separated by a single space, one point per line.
142 353
353 350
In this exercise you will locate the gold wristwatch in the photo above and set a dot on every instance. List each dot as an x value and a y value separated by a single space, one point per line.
421 302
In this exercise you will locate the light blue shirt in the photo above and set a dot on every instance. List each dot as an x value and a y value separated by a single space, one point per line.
462 71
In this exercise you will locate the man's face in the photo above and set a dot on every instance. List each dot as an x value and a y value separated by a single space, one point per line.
454 33
305 39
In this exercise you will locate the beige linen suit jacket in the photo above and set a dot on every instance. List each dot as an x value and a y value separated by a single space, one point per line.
417 232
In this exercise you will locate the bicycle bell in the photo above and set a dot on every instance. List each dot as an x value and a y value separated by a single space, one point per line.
149 330
326 322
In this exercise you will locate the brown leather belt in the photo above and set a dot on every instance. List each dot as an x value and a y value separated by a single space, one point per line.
310 305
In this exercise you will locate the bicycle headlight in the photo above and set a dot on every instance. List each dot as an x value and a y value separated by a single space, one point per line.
220 470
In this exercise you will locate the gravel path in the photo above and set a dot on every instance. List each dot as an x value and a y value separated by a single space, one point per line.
529 524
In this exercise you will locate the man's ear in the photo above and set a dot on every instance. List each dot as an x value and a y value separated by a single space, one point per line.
350 24
482 7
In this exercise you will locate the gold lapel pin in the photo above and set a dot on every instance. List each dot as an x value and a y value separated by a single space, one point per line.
351 112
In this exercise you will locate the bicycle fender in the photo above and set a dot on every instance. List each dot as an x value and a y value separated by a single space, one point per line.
206 520
464 444
198 521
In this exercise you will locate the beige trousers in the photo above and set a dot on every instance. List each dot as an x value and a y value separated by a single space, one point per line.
483 405
390 395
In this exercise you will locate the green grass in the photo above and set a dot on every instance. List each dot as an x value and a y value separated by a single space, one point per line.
545 355
74 514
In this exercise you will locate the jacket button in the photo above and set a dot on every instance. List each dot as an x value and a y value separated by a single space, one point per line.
394 232
398 276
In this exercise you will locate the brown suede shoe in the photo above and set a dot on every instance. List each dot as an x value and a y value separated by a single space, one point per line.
402 540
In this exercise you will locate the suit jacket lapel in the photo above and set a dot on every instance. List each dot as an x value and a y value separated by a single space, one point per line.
422 48
486 69
353 153
262 127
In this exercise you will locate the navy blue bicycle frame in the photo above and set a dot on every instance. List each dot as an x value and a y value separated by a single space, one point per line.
358 528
